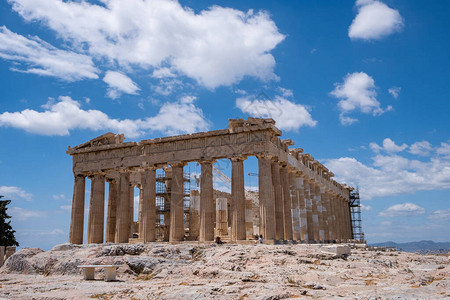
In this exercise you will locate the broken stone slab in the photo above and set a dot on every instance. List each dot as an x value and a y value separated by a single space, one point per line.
336 250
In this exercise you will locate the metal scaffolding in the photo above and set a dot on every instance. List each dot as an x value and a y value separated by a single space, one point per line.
355 211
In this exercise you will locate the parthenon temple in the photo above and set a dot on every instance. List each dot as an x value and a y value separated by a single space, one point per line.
297 200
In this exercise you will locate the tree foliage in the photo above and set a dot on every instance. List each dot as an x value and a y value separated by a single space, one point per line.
7 237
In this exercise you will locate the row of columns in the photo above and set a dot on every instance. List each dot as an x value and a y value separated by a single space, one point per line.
292 207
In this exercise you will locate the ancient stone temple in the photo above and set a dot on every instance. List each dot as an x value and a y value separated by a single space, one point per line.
298 200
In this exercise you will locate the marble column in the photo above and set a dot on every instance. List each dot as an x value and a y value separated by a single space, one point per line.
309 209
320 212
207 209
335 230
349 219
238 199
141 195
304 235
287 214
222 216
328 221
324 199
96 210
111 211
176 232
194 215
315 212
295 211
77 218
131 210
279 222
148 181
266 198
123 207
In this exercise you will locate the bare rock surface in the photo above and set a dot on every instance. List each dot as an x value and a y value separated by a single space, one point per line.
228 271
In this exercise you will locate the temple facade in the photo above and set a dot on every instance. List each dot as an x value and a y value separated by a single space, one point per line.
298 199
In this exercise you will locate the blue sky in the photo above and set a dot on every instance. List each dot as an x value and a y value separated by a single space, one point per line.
362 86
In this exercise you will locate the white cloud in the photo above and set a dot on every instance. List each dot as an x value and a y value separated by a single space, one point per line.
357 92
422 148
365 207
24 214
119 83
176 118
34 55
374 21
393 174
404 209
388 146
287 114
442 214
13 192
67 114
395 91
217 46
444 150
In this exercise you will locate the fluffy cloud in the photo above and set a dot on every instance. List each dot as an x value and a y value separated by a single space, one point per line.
442 214
404 209
35 56
13 192
388 146
18 213
66 114
393 174
287 114
357 92
395 91
217 46
119 83
365 207
422 148
374 21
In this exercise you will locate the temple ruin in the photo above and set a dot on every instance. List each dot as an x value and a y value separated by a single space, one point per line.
297 200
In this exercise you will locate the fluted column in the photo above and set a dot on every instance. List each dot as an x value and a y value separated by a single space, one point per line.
287 214
334 216
328 223
295 211
315 213
176 204
77 217
141 195
131 210
148 181
279 222
207 208
194 215
324 218
238 199
304 235
123 207
111 211
309 209
96 210
320 212
266 199
349 219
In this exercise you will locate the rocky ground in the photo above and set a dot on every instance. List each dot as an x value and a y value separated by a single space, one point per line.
229 271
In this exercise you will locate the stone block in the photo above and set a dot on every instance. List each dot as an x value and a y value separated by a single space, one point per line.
336 250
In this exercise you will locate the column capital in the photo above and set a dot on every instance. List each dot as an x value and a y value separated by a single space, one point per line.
238 158
264 156
79 174
177 163
92 174
207 161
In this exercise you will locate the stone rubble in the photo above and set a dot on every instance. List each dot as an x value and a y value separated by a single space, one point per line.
228 271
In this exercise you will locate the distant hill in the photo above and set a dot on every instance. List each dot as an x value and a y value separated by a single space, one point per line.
423 247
